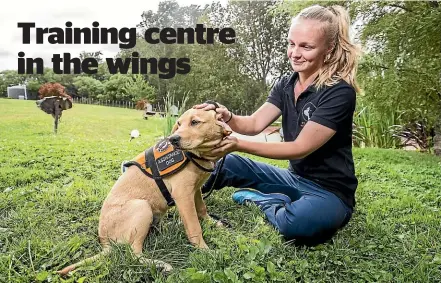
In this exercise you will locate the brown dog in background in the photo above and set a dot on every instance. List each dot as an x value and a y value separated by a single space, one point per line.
135 199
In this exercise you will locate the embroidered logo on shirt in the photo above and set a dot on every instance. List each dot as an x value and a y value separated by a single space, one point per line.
307 111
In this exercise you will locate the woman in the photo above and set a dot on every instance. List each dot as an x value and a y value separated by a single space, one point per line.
315 196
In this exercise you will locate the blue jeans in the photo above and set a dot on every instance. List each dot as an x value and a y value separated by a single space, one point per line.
313 215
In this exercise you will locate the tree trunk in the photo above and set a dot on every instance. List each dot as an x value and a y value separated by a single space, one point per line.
56 124
57 115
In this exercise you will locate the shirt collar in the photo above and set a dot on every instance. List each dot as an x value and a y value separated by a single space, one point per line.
289 86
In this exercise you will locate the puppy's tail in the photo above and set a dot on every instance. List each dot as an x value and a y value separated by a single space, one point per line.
91 259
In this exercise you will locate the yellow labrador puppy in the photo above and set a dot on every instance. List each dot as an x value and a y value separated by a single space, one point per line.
135 199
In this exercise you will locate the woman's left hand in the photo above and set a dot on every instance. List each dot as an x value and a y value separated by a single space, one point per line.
227 145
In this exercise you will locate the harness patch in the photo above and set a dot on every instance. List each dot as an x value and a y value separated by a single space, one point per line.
161 160
162 146
167 158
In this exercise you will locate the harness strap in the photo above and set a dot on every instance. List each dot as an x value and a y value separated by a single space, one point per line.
143 170
215 178
192 157
150 161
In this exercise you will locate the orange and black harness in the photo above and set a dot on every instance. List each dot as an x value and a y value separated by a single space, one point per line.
163 160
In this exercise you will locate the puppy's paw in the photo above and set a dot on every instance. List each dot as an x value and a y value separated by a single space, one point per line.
203 246
198 242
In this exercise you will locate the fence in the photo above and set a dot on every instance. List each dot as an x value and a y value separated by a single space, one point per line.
131 105
114 103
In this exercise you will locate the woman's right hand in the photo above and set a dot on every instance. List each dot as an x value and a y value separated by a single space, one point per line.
222 110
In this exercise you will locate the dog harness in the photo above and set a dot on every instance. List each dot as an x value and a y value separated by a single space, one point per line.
163 160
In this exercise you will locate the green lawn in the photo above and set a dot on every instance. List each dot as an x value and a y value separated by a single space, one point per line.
52 188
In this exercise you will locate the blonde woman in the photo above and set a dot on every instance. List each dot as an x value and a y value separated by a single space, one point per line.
315 196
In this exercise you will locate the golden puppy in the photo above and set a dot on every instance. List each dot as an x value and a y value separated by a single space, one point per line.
135 199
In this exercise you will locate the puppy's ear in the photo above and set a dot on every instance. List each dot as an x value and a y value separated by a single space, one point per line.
220 122
226 128
175 127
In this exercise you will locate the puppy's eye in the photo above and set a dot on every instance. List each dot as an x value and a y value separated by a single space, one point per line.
179 124
194 122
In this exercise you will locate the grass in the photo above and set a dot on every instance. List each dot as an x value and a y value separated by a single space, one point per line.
52 188
372 131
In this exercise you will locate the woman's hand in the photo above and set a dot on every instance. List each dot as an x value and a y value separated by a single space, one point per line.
227 145
222 110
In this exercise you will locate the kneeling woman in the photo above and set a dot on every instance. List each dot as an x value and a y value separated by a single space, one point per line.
315 196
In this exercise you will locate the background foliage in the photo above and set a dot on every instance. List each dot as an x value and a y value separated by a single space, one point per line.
400 70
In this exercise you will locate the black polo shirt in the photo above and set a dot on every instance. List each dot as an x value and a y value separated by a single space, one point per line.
331 166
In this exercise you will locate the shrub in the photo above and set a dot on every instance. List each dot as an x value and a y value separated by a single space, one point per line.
52 89
141 104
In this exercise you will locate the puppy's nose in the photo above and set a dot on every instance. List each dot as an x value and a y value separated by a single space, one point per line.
174 140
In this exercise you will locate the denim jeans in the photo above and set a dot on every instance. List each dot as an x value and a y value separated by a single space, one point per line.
314 214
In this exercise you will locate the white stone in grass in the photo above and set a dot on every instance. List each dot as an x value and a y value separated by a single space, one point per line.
134 134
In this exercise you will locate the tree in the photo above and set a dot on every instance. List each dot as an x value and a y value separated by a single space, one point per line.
95 55
169 14
114 88
88 87
402 69
216 69
261 32
33 85
138 88
53 101
10 78
102 73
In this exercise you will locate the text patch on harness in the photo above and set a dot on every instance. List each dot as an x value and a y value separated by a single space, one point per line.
162 160
168 159
167 156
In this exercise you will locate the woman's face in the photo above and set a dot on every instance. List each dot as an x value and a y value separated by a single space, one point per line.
307 46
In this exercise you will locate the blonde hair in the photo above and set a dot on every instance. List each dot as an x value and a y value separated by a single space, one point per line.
342 61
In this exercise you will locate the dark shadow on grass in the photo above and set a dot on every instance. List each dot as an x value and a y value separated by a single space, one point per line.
323 238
